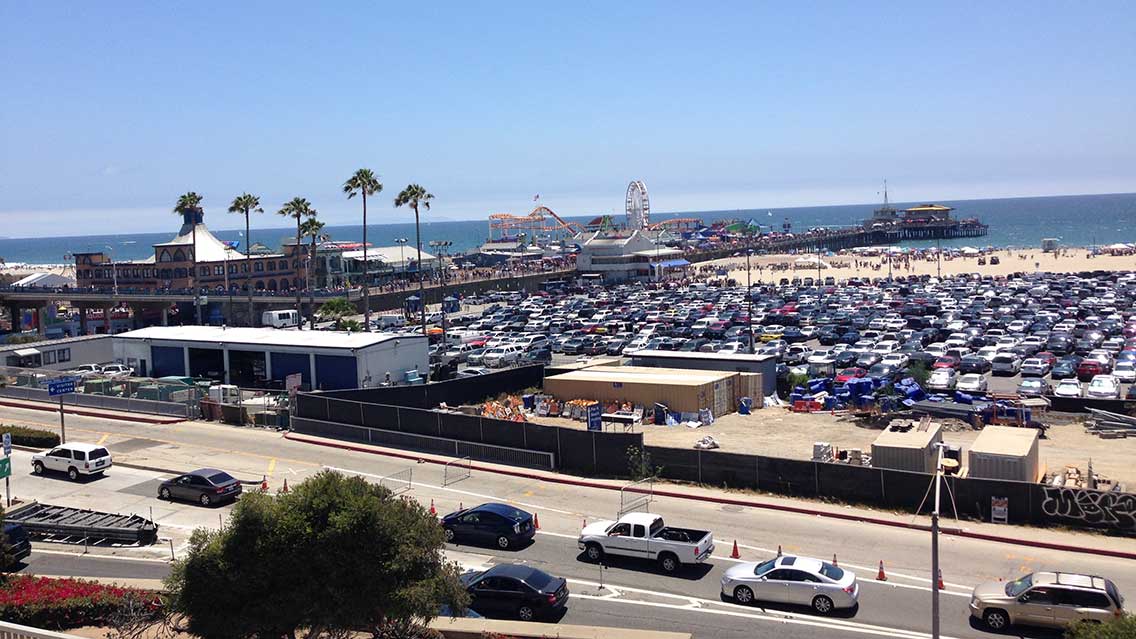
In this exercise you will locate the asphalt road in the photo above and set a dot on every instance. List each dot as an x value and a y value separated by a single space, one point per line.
635 594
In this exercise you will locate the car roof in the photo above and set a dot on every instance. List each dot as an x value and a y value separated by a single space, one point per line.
504 510
80 446
205 472
807 564
516 571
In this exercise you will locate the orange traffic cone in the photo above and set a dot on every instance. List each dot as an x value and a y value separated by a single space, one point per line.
433 511
778 550
940 583
285 488
880 576
834 560
536 521
735 554
264 484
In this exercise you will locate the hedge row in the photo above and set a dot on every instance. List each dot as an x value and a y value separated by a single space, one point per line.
30 437
62 604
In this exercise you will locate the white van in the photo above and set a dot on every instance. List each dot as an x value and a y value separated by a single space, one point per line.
391 321
280 319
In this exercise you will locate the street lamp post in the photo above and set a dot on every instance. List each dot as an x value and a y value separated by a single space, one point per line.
113 269
228 288
441 246
401 253
749 301
935 545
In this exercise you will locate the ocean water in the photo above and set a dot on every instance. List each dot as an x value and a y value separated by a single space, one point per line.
1076 220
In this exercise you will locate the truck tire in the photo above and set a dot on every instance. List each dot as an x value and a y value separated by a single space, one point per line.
996 619
669 562
594 552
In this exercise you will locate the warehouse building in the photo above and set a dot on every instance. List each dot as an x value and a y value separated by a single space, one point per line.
264 357
681 391
59 354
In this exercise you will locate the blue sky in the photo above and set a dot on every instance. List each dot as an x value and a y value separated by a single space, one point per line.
112 109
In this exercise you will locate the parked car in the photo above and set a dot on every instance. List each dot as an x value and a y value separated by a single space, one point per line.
1125 371
502 525
1068 388
1035 367
1065 367
473 372
822 586
205 486
500 356
1033 387
1090 368
75 459
850 373
972 383
646 535
942 379
1103 387
1048 599
515 590
974 364
117 371
18 543
86 370
1006 363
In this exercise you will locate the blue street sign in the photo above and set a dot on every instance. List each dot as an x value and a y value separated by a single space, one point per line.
594 417
7 444
61 386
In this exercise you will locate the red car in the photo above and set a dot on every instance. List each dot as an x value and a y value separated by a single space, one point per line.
1089 368
850 373
946 361
1047 356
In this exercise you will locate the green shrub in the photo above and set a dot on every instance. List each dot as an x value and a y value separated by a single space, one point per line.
1119 628
30 437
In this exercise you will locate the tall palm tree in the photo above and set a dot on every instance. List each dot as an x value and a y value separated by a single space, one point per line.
300 209
189 206
311 228
364 183
246 204
416 196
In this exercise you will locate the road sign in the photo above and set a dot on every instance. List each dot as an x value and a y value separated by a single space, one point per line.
1000 510
7 444
594 422
61 386
5 467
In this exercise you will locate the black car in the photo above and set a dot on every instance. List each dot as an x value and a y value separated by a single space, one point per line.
515 590
499 524
974 364
18 542
205 486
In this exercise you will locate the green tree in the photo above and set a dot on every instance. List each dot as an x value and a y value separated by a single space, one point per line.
312 228
336 554
298 209
247 204
336 309
189 204
350 325
416 196
1118 628
364 183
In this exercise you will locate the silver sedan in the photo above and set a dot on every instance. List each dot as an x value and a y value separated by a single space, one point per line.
792 580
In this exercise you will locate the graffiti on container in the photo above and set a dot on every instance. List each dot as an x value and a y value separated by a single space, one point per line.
1093 507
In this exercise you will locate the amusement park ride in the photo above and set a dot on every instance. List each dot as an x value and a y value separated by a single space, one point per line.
543 222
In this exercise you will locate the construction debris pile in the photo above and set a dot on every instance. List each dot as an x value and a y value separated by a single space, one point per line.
1108 425
1073 477
510 408
826 452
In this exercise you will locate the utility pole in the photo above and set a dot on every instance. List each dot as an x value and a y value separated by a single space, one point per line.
939 257
935 545
749 300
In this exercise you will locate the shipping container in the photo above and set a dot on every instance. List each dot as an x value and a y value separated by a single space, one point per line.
1005 452
909 446
684 391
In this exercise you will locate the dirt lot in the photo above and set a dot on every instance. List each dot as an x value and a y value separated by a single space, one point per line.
779 433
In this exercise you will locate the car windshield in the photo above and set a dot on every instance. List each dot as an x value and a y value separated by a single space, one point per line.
1018 586
220 478
835 573
764 567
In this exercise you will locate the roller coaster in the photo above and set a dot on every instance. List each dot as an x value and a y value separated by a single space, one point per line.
540 221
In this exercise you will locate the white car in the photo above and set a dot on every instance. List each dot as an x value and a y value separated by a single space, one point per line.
115 371
86 370
473 372
499 356
1068 388
972 383
74 459
1125 371
988 353
942 379
898 360
938 349
1104 387
822 586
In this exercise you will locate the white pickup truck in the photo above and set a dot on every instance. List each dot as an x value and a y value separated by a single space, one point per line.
645 536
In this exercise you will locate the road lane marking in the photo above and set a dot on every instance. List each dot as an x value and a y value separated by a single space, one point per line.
271 465
102 440
711 606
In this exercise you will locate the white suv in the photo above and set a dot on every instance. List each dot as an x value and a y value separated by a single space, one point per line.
73 459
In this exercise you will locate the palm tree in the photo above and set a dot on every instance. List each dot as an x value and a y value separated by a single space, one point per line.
189 206
246 204
364 183
311 228
416 196
300 209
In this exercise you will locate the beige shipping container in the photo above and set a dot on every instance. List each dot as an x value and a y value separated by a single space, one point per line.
913 450
1005 452
750 385
685 391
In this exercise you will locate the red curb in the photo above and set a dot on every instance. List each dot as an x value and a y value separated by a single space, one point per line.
956 532
85 413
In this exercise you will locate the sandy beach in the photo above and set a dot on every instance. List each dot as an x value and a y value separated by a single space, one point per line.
771 268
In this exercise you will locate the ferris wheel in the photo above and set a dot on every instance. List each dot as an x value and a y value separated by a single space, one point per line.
638 205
